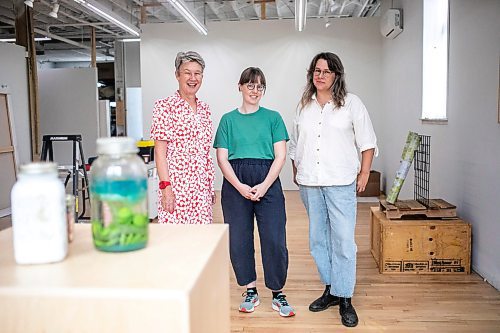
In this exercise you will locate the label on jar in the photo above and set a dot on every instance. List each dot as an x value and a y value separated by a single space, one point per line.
40 228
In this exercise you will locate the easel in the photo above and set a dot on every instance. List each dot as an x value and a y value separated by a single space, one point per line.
8 154
47 148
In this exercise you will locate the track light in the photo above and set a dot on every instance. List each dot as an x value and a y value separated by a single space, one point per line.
55 9
37 39
300 14
129 40
180 6
108 15
29 3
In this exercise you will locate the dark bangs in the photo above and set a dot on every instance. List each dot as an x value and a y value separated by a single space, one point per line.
252 75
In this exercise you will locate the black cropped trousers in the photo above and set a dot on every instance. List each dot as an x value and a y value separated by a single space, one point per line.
269 212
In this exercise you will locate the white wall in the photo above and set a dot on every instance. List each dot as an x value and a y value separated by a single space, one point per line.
274 46
134 113
13 74
68 105
133 92
465 153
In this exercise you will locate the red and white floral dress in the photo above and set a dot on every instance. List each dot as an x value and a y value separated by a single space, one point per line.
189 138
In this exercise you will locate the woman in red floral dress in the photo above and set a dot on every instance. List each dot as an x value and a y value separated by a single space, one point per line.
182 130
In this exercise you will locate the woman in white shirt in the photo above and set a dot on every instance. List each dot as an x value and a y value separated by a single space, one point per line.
330 128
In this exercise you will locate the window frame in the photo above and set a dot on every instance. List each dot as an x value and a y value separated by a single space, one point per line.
430 64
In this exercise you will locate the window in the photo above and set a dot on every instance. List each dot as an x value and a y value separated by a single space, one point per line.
435 60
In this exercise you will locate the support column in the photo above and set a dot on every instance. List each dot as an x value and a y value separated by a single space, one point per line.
93 58
25 36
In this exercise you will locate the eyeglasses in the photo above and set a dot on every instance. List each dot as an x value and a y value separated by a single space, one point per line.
188 74
326 73
251 86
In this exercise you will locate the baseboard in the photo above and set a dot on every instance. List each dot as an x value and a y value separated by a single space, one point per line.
5 212
368 199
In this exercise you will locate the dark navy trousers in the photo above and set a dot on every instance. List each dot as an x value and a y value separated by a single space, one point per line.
269 212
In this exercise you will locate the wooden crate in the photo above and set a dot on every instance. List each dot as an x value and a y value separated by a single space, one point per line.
420 246
438 208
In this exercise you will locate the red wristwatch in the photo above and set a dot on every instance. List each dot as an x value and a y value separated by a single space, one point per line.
163 184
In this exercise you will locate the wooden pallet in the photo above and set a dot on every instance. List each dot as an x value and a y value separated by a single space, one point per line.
438 208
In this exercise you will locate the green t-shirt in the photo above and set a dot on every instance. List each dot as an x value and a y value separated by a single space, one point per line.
250 135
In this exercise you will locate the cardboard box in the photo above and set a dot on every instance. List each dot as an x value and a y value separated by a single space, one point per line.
373 186
420 246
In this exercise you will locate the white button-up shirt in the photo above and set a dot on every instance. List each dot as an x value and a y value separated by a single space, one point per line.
325 142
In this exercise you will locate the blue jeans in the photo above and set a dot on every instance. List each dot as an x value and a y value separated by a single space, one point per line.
332 219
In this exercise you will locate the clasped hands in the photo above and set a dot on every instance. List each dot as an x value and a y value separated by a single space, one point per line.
253 193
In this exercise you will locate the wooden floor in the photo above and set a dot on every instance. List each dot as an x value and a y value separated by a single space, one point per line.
385 303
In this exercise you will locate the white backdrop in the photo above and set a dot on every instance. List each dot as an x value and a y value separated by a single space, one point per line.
274 46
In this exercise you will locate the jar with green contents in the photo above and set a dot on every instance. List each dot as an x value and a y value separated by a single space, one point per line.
118 192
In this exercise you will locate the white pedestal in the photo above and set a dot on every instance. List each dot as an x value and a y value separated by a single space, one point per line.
178 283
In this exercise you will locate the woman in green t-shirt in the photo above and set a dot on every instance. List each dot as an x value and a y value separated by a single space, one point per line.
251 151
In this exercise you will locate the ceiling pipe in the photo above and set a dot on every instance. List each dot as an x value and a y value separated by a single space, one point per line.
363 8
92 24
71 42
125 9
374 10
300 14
65 40
54 36
105 44
75 25
341 10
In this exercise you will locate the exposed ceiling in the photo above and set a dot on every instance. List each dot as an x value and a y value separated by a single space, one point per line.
70 31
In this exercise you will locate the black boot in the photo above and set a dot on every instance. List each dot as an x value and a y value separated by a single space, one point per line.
347 312
324 302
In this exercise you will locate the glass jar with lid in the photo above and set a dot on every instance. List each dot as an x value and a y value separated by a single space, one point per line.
39 215
118 192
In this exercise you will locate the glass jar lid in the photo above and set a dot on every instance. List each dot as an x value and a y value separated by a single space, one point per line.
116 145
38 168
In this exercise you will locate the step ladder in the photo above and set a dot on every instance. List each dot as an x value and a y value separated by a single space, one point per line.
78 166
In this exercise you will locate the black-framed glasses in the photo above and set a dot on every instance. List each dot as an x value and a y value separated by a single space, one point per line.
251 86
326 73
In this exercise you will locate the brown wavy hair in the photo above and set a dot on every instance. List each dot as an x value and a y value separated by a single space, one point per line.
338 88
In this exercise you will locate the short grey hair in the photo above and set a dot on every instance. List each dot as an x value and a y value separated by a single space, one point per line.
183 57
